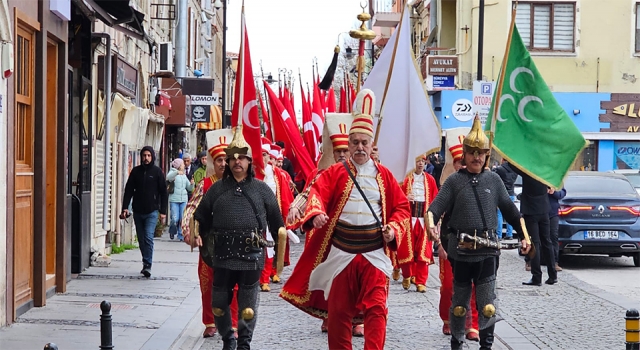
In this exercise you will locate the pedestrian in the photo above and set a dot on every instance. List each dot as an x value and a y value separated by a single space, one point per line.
189 168
147 187
508 177
446 267
421 189
471 196
201 172
179 188
554 206
217 141
286 163
534 206
278 181
359 213
234 214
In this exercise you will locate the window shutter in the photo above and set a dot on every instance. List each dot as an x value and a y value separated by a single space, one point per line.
541 26
637 28
100 188
563 27
523 22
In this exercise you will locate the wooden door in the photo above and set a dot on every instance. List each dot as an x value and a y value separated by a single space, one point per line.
51 114
23 154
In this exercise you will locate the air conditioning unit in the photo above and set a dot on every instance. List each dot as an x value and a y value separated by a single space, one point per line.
166 57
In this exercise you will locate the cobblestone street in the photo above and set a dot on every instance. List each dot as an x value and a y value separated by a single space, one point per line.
570 315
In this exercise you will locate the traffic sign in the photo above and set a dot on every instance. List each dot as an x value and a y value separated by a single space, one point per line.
482 97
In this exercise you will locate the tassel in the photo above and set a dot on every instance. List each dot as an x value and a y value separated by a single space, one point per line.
331 71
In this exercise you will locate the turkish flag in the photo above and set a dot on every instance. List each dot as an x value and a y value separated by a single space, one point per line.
288 104
245 111
308 130
343 101
352 96
317 112
331 101
286 130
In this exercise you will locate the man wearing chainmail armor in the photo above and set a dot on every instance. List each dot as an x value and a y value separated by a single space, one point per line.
471 196
233 217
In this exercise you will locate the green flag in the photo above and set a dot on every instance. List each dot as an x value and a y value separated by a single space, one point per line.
531 129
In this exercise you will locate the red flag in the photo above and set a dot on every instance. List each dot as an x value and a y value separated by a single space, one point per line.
286 130
331 101
309 131
317 113
286 102
343 101
353 96
265 120
245 111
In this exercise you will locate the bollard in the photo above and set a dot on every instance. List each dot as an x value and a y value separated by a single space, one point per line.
632 329
51 346
105 326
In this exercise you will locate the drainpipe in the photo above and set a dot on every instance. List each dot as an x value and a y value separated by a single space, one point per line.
181 39
107 128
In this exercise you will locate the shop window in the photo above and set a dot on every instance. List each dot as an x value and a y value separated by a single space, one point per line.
588 158
627 154
547 26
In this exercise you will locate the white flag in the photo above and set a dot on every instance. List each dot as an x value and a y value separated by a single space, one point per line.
409 125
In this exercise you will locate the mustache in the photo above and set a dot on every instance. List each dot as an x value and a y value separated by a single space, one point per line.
361 152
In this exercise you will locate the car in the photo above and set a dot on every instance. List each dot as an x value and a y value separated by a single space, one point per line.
599 215
633 175
517 189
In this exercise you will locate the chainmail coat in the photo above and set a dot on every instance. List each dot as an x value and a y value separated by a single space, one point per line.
456 197
224 208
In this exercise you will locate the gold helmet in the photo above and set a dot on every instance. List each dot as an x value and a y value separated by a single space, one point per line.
238 146
476 138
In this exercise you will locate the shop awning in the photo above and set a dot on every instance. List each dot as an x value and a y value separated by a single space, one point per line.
215 122
116 13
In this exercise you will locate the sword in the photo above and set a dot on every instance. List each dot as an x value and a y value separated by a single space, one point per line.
485 242
281 247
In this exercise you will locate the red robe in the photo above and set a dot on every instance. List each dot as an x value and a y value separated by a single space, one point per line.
329 194
310 180
284 196
422 249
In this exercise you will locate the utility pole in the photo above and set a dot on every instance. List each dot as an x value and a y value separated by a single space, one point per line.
181 38
480 38
224 65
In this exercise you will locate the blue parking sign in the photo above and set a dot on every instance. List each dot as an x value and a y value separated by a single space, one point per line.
486 88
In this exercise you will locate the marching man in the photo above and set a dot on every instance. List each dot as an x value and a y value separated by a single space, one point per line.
420 189
217 141
358 213
453 163
278 181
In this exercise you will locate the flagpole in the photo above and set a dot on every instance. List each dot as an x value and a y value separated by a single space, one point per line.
386 86
241 72
266 98
362 34
496 100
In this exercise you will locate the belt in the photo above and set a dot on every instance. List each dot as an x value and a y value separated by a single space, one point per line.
357 239
417 209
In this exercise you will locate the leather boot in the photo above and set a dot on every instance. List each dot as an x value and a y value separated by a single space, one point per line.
248 300
486 338
456 344
229 341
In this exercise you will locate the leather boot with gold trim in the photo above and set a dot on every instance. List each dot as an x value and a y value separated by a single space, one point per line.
406 283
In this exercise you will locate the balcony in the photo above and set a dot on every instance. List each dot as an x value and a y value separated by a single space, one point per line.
383 36
386 19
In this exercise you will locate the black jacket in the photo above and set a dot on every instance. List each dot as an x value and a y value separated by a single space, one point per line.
288 167
534 199
508 176
147 186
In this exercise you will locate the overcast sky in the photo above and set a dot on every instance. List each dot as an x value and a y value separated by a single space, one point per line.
290 33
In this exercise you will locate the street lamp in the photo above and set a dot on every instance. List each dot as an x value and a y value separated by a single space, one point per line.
270 79
349 54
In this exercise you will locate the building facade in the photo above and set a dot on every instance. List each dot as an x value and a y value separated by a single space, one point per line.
593 77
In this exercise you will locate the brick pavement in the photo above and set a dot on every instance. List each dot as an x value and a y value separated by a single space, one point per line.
570 315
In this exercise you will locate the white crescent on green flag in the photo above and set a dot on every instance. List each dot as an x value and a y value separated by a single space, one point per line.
531 129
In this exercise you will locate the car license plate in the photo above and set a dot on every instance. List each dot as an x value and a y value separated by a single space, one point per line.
600 234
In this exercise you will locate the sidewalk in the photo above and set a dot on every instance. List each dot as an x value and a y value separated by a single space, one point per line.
147 314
